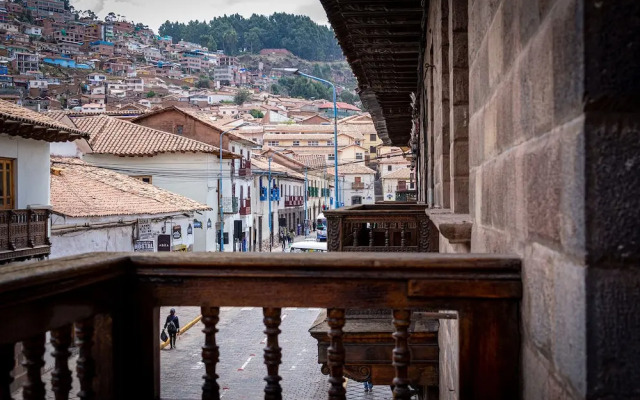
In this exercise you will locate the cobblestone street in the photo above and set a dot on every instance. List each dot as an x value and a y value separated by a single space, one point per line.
241 369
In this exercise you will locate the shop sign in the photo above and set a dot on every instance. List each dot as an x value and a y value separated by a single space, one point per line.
177 232
143 245
144 229
164 243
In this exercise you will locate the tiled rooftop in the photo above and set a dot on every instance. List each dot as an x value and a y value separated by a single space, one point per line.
12 113
79 189
114 136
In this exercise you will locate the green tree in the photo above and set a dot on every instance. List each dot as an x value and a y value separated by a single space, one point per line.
348 97
241 96
230 40
255 113
151 94
203 83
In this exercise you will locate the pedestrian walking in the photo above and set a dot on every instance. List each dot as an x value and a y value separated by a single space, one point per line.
368 386
172 325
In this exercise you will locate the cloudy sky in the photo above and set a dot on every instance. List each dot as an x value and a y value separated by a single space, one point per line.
155 12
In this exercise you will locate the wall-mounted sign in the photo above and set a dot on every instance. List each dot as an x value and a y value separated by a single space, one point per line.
180 247
197 224
164 243
144 229
177 232
143 245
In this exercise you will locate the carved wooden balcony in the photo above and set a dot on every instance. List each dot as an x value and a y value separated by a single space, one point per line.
24 234
119 295
381 228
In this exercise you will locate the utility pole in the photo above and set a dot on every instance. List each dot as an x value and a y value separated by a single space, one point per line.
306 188
270 215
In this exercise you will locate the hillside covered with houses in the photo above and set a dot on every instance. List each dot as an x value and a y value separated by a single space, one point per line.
53 57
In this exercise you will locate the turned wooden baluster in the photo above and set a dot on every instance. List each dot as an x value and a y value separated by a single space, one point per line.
335 354
401 354
355 235
272 353
371 235
33 351
403 231
61 375
386 234
210 352
7 362
85 365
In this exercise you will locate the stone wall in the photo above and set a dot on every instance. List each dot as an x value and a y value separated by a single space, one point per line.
526 172
553 120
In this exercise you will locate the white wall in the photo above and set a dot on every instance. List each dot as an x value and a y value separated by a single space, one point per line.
367 194
193 175
112 238
32 183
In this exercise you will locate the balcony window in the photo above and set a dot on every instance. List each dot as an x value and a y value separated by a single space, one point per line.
373 137
296 143
312 143
329 142
389 168
273 143
331 157
6 184
372 149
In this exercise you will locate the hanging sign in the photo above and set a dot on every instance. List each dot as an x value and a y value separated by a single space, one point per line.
177 232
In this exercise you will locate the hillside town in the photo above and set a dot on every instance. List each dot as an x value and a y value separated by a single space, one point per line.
191 122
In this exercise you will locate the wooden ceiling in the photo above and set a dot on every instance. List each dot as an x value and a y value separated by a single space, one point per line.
381 40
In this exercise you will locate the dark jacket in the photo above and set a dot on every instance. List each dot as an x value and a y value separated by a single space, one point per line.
176 322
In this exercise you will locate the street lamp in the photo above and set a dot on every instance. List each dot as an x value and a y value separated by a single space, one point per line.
296 71
220 187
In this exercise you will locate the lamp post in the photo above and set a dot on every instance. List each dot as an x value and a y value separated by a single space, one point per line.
296 71
220 188
270 215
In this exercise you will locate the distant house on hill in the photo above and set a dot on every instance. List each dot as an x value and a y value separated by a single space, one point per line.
266 52
344 109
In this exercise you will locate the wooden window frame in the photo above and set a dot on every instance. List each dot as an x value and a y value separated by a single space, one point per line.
11 197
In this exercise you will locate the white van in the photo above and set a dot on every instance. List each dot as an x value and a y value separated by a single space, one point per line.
307 247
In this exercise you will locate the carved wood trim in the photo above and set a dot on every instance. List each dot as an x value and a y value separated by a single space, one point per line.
272 353
210 352
61 374
359 373
335 353
401 354
85 365
33 351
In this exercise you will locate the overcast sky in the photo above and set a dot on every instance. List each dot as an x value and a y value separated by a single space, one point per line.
155 12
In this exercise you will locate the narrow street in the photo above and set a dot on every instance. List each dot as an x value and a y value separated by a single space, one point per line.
241 369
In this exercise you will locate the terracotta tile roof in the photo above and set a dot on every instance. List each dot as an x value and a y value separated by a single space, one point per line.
261 163
315 161
79 189
298 136
44 127
402 173
340 105
298 128
122 138
207 118
355 168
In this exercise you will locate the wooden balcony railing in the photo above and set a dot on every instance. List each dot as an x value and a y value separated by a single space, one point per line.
245 206
357 185
24 234
118 296
381 228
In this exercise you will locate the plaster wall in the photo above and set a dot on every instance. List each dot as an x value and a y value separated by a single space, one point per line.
32 182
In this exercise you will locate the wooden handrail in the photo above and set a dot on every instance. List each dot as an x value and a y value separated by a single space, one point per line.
485 290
